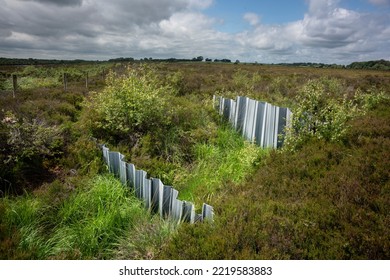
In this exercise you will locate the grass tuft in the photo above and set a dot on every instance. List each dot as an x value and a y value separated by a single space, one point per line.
89 224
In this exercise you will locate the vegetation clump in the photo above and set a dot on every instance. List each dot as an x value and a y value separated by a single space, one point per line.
89 223
322 111
130 104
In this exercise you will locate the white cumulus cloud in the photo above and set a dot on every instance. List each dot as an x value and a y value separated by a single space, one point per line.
252 18
100 29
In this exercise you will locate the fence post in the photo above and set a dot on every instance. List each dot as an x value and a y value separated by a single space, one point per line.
86 81
14 83
65 81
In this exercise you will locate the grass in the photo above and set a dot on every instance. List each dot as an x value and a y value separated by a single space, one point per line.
226 159
89 224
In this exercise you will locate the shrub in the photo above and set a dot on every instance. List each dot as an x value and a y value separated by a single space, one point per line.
30 148
371 98
131 104
27 140
319 114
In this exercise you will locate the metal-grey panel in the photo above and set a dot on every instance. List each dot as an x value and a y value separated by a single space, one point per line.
232 115
140 177
281 126
221 102
207 212
174 194
266 124
177 210
166 206
106 154
245 114
249 120
188 212
156 195
253 136
147 193
226 108
269 133
122 171
130 175
114 158
240 113
275 128
259 126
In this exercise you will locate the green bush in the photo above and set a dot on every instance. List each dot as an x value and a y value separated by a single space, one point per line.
28 140
30 148
318 113
131 104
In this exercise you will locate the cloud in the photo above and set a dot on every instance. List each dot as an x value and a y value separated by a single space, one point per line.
380 2
327 33
200 4
58 2
109 28
320 8
252 18
333 28
100 29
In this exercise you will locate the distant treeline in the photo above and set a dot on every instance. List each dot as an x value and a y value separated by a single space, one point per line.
35 61
172 59
374 64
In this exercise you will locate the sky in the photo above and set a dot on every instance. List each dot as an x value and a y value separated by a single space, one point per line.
265 31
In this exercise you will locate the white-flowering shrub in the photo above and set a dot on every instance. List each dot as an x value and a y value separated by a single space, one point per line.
319 114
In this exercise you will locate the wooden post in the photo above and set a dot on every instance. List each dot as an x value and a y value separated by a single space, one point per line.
65 81
14 83
86 81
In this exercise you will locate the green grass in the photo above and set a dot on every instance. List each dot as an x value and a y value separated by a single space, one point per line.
227 158
89 224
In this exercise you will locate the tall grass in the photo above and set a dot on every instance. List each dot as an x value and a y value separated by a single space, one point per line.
227 158
90 224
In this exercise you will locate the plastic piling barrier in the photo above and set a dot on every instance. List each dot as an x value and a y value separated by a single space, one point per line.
157 197
258 122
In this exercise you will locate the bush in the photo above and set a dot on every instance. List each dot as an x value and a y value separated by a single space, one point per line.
130 105
30 148
318 113
27 140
